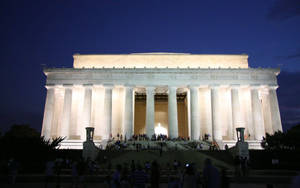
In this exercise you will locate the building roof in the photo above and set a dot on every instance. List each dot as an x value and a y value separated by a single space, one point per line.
160 60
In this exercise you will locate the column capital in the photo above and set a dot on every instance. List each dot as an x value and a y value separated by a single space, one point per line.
214 86
69 86
264 91
108 86
150 90
273 87
235 86
56 86
243 86
87 86
256 87
223 86
172 87
203 86
193 86
59 88
129 86
50 86
150 87
97 86
77 86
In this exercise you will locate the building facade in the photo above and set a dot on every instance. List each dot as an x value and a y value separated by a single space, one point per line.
186 95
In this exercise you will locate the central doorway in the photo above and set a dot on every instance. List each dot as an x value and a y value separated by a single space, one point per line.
161 114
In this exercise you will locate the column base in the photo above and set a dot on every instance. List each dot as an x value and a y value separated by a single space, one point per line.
54 137
96 137
253 144
74 137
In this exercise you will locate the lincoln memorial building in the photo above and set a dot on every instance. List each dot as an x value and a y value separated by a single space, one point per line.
176 94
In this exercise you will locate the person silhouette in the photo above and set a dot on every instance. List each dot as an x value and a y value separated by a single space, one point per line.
211 175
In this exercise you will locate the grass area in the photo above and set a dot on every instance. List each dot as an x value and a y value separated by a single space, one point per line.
220 155
119 157
259 159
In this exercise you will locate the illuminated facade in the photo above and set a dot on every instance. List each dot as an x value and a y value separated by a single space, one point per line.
187 95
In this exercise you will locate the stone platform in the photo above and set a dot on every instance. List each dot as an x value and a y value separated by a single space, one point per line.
180 145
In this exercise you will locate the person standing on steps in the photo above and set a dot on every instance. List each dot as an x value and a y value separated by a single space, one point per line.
211 175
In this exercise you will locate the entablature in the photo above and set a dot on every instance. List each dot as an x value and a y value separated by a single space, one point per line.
140 76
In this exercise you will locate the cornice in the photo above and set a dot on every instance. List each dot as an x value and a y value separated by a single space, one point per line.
160 70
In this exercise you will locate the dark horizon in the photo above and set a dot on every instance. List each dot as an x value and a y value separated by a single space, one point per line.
49 33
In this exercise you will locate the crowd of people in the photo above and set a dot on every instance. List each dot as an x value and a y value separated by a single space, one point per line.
154 137
120 143
138 146
137 175
136 137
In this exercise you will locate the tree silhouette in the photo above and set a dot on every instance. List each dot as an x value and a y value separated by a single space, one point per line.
25 145
283 140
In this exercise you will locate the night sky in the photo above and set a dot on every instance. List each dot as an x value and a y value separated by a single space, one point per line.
35 32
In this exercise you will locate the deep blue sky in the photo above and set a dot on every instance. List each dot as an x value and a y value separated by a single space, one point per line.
35 32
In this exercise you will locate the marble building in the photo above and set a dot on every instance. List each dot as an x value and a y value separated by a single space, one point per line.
185 95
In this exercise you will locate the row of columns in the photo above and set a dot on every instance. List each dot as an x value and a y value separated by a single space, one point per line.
72 111
73 107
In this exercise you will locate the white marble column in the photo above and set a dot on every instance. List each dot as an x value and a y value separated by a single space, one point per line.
128 112
205 111
150 109
248 117
87 106
266 107
258 122
172 112
97 119
237 119
107 111
118 104
216 114
76 113
48 113
57 113
66 111
133 110
195 114
275 114
189 112
227 126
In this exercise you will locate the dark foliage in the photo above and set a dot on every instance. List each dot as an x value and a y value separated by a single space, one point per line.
262 159
283 140
26 146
